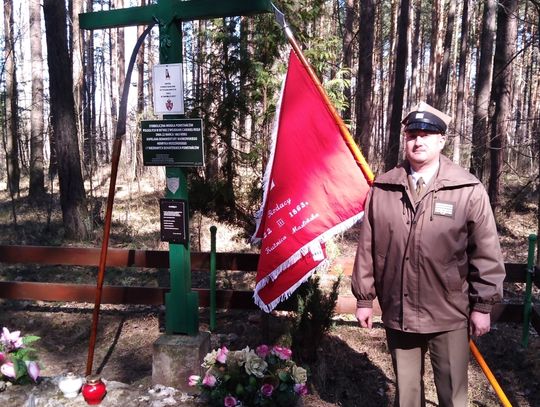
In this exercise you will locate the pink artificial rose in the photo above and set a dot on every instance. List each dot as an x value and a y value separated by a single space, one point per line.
8 370
193 380
11 340
267 389
33 370
282 353
262 351
222 355
300 389
209 380
230 401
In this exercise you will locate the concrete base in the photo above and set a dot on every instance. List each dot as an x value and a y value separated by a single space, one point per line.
176 357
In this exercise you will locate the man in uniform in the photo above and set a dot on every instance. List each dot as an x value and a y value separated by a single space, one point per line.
429 252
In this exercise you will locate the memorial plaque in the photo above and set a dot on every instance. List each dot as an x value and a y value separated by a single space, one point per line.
168 89
175 143
174 220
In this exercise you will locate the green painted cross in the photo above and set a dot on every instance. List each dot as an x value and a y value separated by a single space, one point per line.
181 303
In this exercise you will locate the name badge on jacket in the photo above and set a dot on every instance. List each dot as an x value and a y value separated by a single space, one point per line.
442 208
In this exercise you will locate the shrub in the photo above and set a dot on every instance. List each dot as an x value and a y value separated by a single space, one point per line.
313 318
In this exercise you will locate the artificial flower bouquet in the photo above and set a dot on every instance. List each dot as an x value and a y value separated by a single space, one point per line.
17 360
265 377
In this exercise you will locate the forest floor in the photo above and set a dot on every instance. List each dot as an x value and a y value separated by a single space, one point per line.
353 366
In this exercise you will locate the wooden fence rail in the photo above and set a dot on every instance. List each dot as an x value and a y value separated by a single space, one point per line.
226 299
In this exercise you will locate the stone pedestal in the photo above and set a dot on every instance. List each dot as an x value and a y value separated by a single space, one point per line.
176 357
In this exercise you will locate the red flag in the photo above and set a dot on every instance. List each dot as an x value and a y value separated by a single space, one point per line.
314 189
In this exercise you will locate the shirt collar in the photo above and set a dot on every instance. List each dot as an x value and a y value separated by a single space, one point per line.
426 175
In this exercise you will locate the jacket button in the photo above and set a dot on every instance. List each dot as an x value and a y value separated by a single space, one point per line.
407 258
405 295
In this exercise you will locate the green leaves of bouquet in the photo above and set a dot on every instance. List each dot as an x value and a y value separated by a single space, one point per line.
265 377
17 359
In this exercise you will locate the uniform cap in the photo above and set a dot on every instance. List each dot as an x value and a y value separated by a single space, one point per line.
427 118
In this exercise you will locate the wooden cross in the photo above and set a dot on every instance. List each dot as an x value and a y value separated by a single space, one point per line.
181 303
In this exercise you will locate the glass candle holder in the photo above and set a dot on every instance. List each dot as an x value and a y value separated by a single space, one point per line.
70 384
93 390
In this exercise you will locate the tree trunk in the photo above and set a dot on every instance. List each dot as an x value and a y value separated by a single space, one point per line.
77 56
12 120
348 52
228 117
208 76
415 51
501 93
365 74
436 50
120 53
461 100
392 152
392 40
37 178
482 94
149 67
383 97
442 79
113 83
104 118
138 161
538 204
243 91
530 128
72 195
88 101
536 144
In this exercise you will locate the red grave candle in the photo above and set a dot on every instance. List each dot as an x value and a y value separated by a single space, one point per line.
93 390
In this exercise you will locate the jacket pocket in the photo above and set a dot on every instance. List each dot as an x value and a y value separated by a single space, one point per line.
453 278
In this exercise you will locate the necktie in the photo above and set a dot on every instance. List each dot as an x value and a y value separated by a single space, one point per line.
419 186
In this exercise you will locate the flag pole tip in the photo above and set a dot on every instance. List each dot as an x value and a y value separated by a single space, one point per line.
280 17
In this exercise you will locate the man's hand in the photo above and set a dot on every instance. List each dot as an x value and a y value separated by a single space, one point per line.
479 323
365 317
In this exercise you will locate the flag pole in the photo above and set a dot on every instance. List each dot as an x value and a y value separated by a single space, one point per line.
489 375
357 154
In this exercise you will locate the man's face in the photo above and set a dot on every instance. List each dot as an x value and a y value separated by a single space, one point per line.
423 148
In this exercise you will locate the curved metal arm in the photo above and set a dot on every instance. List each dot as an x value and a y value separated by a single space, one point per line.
117 147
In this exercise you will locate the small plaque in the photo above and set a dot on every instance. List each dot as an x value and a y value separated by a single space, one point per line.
174 220
168 89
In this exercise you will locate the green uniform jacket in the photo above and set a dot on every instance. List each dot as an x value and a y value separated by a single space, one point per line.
428 262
